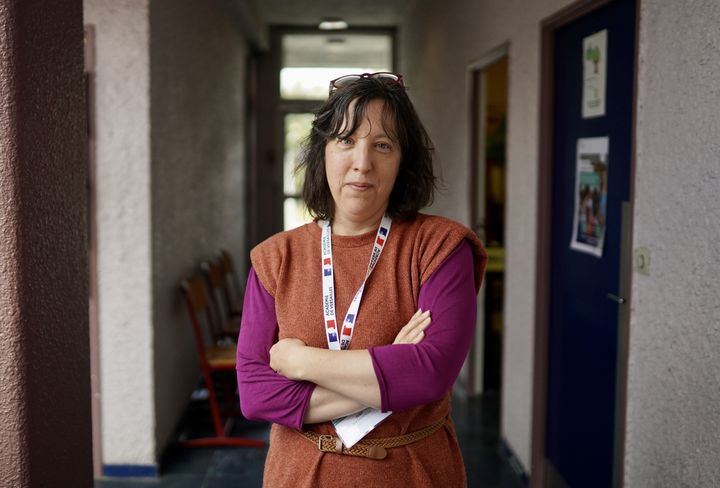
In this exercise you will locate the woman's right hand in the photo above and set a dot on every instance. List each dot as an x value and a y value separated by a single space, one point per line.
413 331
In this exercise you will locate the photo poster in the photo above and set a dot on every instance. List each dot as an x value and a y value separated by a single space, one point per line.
591 173
594 74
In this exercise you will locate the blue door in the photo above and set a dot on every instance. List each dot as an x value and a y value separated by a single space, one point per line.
583 327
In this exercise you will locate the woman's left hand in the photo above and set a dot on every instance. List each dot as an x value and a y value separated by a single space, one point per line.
285 357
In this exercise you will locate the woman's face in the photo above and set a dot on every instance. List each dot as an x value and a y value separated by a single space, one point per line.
361 168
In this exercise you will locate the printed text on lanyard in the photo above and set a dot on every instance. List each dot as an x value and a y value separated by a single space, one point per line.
340 339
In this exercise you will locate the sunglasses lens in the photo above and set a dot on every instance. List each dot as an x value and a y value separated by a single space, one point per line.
345 81
387 77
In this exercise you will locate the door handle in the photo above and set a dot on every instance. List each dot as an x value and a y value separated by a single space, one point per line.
616 298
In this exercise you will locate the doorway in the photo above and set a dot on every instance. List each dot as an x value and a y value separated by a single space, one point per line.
488 80
583 241
293 82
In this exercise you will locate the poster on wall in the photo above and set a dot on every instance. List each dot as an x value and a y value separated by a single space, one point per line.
589 220
594 71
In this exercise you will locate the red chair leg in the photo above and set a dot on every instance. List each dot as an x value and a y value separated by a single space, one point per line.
214 408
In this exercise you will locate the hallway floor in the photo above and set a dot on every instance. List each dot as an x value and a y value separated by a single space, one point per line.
476 421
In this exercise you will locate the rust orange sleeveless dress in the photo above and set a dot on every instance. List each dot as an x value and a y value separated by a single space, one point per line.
288 266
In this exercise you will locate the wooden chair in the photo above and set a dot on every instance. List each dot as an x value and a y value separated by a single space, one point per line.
233 289
217 364
225 322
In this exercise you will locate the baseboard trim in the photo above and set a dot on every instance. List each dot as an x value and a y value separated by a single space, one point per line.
512 459
131 470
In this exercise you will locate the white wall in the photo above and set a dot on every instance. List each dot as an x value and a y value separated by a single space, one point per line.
123 226
198 59
673 410
170 78
438 41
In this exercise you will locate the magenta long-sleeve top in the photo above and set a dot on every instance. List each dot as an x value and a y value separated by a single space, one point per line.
409 375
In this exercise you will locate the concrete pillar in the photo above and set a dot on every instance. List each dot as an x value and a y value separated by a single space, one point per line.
44 354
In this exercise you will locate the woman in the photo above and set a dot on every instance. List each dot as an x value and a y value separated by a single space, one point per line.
368 172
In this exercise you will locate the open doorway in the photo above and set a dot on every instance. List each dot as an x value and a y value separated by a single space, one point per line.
488 80
293 82
309 60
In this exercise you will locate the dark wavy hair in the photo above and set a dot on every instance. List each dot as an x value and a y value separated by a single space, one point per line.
415 183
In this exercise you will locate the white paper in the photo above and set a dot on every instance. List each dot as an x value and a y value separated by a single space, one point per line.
590 213
594 74
354 427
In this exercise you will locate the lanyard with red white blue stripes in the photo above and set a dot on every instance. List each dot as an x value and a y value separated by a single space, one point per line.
342 341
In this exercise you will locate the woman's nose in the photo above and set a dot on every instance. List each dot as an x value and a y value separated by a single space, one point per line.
362 159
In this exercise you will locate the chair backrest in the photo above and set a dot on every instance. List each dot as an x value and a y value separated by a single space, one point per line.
233 288
220 308
198 306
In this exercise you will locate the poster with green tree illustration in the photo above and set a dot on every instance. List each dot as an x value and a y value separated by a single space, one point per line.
594 74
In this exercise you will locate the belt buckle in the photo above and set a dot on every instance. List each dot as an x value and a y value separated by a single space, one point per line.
323 437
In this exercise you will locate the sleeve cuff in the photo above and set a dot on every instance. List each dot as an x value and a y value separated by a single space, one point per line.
298 424
384 400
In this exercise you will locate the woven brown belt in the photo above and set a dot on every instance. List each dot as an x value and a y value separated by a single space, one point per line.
369 448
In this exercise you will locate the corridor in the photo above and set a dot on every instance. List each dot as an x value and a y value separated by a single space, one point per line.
575 138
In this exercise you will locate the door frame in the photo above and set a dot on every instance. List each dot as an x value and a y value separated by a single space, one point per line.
539 474
473 381
93 314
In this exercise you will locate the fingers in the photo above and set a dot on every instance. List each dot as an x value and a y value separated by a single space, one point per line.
282 352
417 334
418 322
413 331
419 325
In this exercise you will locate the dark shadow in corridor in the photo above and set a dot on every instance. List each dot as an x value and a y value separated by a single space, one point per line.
476 421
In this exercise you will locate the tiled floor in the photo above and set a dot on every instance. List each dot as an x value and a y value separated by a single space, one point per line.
476 421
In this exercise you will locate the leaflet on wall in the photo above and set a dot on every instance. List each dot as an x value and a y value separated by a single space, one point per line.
594 74
589 220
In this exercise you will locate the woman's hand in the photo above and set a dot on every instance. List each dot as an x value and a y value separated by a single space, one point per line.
285 357
413 331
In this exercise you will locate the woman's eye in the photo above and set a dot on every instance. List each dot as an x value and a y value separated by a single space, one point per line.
344 141
384 146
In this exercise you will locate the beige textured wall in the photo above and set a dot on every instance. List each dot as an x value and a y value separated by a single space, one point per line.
438 41
45 435
170 79
673 417
198 59
122 108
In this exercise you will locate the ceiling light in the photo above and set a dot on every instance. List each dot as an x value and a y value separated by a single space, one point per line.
333 24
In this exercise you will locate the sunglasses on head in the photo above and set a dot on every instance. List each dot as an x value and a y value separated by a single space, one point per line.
386 76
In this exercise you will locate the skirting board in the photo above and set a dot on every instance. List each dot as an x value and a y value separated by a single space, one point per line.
131 471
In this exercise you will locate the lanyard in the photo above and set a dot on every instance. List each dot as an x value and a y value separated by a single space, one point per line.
348 324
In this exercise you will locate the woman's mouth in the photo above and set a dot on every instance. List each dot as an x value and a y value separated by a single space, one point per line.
360 186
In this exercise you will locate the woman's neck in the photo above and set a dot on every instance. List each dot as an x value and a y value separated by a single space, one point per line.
344 226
